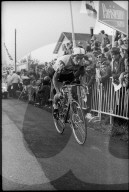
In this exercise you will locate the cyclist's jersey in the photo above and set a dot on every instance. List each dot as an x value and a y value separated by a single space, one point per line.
65 65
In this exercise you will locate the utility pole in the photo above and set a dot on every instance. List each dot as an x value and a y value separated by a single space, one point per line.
15 53
73 35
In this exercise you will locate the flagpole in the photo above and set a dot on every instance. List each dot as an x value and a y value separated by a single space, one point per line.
73 35
15 53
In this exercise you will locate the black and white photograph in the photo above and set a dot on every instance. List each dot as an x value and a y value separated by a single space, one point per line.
64 95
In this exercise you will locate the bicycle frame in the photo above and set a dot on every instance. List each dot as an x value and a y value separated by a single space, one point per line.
69 95
75 118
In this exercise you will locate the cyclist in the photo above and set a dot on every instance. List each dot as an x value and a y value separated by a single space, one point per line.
68 68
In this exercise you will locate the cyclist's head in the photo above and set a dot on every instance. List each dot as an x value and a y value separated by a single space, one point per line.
78 55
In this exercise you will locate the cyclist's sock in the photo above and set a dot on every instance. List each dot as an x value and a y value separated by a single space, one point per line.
55 106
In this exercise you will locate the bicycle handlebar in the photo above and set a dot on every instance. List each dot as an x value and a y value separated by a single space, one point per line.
75 85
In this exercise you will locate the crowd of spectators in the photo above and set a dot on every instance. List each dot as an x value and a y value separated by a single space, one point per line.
102 60
105 59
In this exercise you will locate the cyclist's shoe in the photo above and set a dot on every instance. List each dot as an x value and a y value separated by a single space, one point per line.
56 114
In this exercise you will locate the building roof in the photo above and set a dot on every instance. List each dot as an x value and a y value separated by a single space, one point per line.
78 37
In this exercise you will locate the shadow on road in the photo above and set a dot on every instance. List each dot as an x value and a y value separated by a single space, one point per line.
73 183
40 134
118 148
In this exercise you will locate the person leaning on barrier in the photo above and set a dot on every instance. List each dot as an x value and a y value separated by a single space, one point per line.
90 79
67 68
117 64
124 54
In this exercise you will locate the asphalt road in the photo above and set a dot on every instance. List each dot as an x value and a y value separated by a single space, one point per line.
36 157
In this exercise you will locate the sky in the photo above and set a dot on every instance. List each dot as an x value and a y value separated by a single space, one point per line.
39 24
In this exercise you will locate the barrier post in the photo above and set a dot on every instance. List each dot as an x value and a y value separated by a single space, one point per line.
111 111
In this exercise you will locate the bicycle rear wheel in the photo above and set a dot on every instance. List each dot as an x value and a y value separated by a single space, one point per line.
59 121
79 124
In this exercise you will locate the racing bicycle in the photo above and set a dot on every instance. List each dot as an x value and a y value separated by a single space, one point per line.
71 112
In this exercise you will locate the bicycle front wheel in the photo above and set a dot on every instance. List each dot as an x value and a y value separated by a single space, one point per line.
79 124
59 121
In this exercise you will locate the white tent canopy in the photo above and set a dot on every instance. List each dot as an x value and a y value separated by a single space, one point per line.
43 54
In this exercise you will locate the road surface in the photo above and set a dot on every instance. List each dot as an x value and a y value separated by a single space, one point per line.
36 157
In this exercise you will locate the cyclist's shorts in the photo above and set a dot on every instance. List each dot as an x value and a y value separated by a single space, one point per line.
66 77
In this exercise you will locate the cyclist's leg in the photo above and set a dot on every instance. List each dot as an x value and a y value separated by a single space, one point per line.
57 85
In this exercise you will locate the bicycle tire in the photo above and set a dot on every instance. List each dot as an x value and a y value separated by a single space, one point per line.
78 122
59 124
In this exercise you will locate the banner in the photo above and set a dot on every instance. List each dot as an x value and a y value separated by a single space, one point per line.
113 16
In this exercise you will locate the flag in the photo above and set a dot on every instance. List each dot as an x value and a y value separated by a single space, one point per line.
89 8
8 52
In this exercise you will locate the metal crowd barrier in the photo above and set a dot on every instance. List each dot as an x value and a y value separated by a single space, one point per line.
105 100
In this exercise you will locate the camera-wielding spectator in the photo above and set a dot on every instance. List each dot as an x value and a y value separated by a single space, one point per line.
103 69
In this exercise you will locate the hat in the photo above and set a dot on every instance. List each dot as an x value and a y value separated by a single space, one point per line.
125 39
78 51
115 50
108 45
125 47
98 52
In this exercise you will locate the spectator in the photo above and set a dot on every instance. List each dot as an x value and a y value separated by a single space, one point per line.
93 39
123 36
103 69
124 55
108 56
91 54
120 42
9 84
43 94
117 64
115 44
125 41
125 75
30 88
102 32
90 78
106 39
69 48
105 50
109 46
21 82
117 36
124 51
80 44
15 80
64 48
